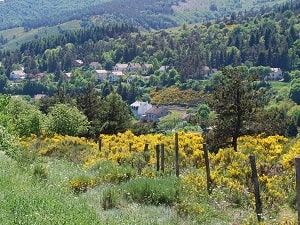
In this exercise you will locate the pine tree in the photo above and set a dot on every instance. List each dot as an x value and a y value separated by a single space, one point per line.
117 115
235 100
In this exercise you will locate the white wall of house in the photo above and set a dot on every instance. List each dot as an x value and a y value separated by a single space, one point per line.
139 108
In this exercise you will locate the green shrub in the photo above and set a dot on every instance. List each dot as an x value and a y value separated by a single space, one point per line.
189 208
25 155
111 198
40 172
154 191
82 184
292 200
107 171
7 143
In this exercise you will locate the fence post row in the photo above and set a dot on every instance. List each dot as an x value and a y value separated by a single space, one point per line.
258 203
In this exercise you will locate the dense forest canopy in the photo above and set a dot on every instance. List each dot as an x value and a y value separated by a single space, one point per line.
149 14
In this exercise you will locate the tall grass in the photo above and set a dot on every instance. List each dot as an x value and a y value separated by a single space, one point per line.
27 200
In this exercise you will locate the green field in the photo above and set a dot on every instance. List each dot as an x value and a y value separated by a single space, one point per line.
17 36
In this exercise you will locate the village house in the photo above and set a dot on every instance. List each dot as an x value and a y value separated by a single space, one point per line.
146 67
139 108
163 69
17 75
133 67
95 65
78 62
155 113
39 96
115 76
131 78
35 77
120 67
68 76
101 75
275 74
205 72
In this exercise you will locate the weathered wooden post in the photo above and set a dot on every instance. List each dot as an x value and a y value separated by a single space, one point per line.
208 178
146 153
146 147
130 146
297 162
258 203
100 143
176 155
157 148
162 160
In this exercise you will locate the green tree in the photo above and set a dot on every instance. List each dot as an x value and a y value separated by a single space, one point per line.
25 118
5 120
90 103
169 122
116 115
203 111
67 120
235 100
295 90
3 82
7 141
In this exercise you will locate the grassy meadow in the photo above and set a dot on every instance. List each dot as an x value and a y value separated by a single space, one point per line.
18 36
71 180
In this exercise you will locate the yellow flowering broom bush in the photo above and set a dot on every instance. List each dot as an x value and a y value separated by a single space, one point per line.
230 170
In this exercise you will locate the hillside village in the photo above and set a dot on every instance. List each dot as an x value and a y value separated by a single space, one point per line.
121 72
128 72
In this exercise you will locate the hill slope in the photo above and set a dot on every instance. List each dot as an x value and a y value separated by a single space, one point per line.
150 14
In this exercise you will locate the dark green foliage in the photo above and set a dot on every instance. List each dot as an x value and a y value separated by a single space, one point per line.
295 91
236 100
67 120
40 172
111 198
60 96
275 120
116 115
91 104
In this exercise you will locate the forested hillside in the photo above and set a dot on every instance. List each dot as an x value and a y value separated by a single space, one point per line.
268 40
149 14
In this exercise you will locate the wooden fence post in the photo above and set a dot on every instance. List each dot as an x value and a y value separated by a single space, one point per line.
258 203
208 178
162 160
176 155
157 148
130 146
146 147
146 153
99 143
297 162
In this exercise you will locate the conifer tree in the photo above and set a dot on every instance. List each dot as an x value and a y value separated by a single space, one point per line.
235 99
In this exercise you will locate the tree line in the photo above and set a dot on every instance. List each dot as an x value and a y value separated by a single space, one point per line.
270 39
